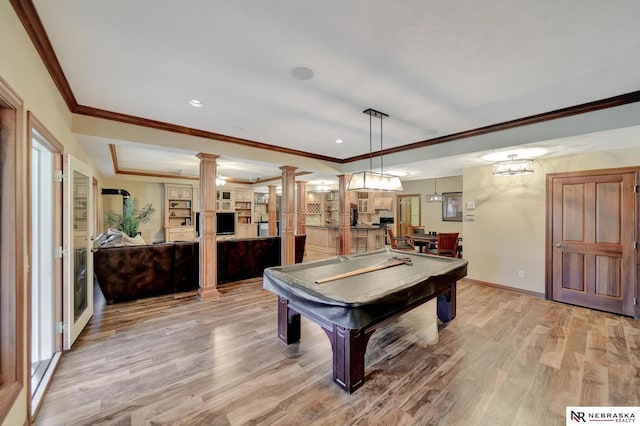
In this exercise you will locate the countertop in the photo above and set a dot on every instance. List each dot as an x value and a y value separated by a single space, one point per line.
337 227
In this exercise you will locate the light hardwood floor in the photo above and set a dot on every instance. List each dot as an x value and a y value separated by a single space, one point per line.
507 359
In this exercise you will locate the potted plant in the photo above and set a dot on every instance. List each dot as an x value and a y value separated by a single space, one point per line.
131 217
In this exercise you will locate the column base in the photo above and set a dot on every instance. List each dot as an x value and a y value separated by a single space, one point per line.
208 293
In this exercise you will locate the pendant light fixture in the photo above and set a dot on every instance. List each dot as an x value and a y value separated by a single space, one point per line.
435 197
512 167
371 181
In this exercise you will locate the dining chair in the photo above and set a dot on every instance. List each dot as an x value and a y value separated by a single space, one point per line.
419 230
399 243
447 244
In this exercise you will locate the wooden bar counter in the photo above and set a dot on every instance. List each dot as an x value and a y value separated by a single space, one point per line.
363 238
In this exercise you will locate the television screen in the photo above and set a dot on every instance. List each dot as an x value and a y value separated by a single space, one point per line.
225 223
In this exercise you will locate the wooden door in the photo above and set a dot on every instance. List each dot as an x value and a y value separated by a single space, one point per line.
593 237
78 264
404 225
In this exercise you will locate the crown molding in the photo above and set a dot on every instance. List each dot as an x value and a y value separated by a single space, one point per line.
28 15
614 101
32 24
113 151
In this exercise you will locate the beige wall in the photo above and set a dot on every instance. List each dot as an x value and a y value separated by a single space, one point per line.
432 212
22 69
508 233
143 192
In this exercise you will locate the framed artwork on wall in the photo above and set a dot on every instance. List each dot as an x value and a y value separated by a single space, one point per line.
452 206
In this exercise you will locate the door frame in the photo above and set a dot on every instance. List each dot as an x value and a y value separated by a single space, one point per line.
73 328
12 266
57 150
549 249
398 203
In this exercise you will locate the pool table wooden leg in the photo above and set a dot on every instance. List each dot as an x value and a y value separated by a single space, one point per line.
349 347
288 322
452 297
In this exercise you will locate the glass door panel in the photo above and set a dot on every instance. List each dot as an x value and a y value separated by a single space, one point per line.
79 277
43 271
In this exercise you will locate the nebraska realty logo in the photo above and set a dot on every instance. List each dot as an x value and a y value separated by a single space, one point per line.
581 415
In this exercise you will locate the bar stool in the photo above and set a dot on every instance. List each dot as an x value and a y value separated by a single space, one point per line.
361 237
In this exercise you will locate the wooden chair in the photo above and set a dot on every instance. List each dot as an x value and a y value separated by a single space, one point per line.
399 243
447 244
419 230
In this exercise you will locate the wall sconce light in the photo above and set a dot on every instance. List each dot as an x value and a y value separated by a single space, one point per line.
220 181
512 167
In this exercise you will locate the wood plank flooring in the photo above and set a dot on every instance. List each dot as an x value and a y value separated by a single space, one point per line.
507 359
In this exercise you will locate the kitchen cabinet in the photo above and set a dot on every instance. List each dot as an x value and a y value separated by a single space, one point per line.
364 201
246 230
383 201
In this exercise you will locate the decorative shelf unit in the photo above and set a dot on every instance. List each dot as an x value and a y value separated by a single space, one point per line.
260 207
178 213
331 208
224 200
314 208
315 204
244 213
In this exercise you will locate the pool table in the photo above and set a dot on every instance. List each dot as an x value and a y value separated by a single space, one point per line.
350 309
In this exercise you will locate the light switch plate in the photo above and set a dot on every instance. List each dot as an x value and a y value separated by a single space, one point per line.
471 205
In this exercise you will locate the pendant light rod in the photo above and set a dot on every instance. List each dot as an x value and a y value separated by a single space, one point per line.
381 115
373 181
381 156
370 146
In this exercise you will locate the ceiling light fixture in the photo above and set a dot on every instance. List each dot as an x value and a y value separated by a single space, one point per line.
339 141
323 187
371 181
513 167
196 103
435 197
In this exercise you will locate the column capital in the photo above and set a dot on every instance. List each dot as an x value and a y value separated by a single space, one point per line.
205 156
288 168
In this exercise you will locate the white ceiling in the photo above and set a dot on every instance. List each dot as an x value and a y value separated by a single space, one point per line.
435 67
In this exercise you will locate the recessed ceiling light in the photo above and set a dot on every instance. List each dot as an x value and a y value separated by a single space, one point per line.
196 103
302 73
339 141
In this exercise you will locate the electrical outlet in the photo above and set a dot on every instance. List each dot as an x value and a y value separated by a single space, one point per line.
520 273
